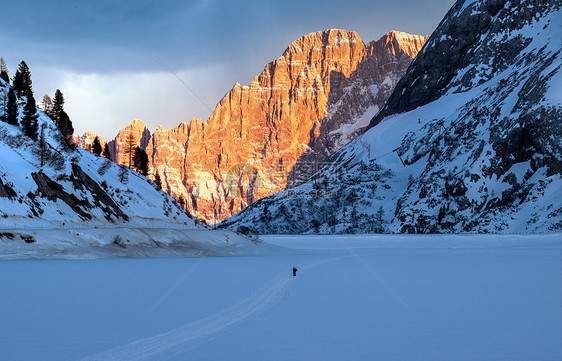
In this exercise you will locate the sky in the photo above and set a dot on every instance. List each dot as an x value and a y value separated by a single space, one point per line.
167 61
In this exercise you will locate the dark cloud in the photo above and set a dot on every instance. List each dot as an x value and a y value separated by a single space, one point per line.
115 38
110 35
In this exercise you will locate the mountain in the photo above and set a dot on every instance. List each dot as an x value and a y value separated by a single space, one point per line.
140 134
469 141
86 141
271 135
57 200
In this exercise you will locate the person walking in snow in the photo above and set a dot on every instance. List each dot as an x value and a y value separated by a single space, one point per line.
294 271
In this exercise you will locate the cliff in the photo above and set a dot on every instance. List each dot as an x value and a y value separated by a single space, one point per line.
272 134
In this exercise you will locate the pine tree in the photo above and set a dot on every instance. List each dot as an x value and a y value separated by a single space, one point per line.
129 147
42 143
58 107
96 146
47 105
140 161
4 71
411 180
158 180
106 152
380 216
29 119
379 222
60 117
3 102
11 111
22 81
65 125
181 201
123 175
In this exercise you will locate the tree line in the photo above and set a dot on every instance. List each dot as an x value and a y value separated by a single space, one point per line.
21 90
136 157
21 87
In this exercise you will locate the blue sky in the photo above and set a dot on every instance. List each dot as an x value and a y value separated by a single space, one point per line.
104 55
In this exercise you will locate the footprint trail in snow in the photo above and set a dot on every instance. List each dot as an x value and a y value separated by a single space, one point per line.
168 345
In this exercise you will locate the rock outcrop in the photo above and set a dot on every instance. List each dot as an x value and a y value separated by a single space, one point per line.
437 67
270 135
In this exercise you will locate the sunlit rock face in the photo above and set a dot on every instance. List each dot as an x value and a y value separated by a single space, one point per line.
469 140
86 141
271 134
141 136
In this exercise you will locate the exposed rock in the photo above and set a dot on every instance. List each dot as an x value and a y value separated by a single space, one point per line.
357 97
52 191
7 191
141 135
86 141
270 135
83 181
460 31
469 141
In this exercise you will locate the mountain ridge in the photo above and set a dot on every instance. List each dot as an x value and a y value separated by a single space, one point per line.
476 152
268 135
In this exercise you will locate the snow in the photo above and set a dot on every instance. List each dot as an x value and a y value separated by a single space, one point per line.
402 297
347 130
153 239
455 137
554 93
91 212
136 197
466 4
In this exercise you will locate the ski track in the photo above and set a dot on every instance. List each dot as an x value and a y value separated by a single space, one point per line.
173 343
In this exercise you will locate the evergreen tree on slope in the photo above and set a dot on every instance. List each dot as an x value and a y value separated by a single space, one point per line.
106 152
29 119
12 113
4 71
140 160
22 81
96 146
59 116
57 107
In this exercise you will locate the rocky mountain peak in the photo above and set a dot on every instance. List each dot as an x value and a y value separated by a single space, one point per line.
463 29
86 140
399 42
321 52
320 41
141 135
268 135
469 141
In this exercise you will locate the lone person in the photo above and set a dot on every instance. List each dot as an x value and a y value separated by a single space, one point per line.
294 271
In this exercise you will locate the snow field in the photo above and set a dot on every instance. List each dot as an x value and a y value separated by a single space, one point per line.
465 298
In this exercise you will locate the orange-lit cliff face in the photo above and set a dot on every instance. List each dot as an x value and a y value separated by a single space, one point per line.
86 141
117 146
261 138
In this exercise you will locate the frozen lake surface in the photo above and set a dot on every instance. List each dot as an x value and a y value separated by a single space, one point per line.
354 298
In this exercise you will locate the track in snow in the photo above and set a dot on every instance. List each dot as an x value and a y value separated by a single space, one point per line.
169 345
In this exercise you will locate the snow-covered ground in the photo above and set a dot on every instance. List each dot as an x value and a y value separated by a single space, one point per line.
400 297
125 241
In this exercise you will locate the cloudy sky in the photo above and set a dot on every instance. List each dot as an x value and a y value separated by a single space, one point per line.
115 60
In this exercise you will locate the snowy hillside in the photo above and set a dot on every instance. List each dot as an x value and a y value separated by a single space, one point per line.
469 141
58 201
